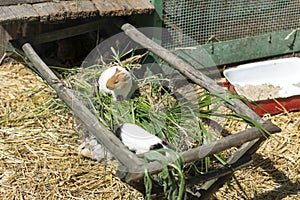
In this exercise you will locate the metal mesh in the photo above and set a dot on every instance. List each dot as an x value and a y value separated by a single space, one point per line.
191 22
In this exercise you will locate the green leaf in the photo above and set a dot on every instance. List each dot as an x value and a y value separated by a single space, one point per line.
148 184
220 159
155 156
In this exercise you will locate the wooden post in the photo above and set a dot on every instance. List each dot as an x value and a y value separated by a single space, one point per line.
4 38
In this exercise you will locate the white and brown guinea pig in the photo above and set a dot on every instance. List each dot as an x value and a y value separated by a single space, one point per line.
137 139
116 81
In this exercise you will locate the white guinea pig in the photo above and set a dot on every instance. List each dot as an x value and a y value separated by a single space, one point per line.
116 81
137 139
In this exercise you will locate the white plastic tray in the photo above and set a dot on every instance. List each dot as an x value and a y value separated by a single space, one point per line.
281 73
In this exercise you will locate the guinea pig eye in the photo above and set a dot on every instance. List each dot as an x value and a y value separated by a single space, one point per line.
116 81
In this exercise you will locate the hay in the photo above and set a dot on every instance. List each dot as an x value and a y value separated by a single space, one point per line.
38 145
39 159
275 171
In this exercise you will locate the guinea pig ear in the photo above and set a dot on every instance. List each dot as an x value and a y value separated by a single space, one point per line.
156 146
118 132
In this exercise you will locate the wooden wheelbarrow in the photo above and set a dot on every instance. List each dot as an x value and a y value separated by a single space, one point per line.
132 168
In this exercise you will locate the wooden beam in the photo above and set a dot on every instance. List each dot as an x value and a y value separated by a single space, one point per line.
51 11
6 14
206 150
65 32
123 7
186 69
25 12
220 172
83 9
204 178
15 2
227 142
59 11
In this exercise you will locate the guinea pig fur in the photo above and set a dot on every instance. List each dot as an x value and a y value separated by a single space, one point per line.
137 139
116 81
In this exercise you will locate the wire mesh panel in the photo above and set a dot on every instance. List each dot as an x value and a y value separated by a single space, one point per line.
191 22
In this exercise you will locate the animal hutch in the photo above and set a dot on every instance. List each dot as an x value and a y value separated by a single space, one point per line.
227 31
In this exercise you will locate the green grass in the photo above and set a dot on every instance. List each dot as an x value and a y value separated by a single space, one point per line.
157 110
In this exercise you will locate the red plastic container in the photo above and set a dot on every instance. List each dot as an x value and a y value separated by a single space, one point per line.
272 106
284 74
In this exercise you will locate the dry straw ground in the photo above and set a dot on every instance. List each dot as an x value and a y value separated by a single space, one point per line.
39 160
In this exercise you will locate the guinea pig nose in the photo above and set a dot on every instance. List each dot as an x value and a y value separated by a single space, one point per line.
126 77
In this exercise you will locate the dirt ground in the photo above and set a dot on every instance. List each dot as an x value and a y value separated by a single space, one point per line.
39 160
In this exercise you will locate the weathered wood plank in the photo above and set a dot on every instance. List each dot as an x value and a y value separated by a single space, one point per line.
23 12
15 2
123 7
82 9
52 11
6 15
55 11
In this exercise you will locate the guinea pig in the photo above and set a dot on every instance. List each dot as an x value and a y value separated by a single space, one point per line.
92 149
116 81
137 139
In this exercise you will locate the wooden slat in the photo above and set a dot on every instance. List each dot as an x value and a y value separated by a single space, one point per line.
123 7
55 11
51 11
6 15
82 9
15 2
23 12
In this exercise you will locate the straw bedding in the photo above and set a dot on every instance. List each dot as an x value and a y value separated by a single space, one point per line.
38 145
39 159
275 171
